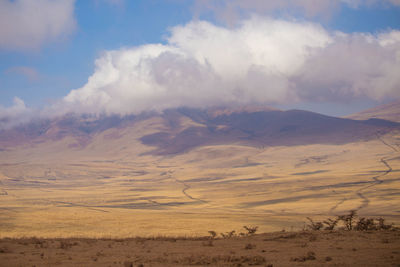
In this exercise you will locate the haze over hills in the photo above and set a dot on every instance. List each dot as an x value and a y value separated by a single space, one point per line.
185 128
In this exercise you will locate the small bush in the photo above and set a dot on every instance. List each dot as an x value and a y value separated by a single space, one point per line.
251 230
350 223
330 223
213 234
364 224
348 219
315 226
382 225
228 234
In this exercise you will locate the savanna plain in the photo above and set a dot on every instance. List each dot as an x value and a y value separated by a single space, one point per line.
111 200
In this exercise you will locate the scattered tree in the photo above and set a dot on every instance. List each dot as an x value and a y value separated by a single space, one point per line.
250 229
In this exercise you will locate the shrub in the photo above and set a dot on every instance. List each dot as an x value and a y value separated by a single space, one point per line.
213 234
330 223
315 226
250 229
364 224
351 223
348 219
228 234
382 226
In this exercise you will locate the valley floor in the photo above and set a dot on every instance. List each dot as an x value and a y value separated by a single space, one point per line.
216 188
306 248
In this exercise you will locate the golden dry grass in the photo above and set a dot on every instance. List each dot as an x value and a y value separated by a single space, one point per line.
53 190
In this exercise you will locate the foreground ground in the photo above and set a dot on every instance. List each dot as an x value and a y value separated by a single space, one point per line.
339 248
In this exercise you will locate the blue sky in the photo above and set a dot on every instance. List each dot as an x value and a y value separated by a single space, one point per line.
67 64
43 72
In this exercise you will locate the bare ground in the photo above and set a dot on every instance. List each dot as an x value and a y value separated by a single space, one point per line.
308 248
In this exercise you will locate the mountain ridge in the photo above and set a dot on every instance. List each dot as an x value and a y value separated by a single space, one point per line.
389 111
179 130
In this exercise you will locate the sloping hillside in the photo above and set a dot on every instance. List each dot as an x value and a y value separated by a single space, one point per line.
263 128
389 112
179 130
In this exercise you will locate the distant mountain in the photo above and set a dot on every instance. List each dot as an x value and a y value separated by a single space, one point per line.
179 130
264 128
81 128
389 112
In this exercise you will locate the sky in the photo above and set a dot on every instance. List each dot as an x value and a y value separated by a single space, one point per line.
108 57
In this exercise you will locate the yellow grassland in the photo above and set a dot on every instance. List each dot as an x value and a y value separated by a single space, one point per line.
115 188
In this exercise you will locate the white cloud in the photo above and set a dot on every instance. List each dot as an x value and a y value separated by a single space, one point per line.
261 61
28 24
353 66
201 65
14 115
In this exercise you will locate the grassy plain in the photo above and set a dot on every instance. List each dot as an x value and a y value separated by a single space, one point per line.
116 188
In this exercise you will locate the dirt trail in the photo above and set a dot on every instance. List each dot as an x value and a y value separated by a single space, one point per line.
376 180
77 205
388 145
187 187
337 205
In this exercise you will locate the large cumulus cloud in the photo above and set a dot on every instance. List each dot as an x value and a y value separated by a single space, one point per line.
353 66
261 61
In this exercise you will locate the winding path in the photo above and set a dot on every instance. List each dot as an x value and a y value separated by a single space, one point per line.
376 181
187 187
77 205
